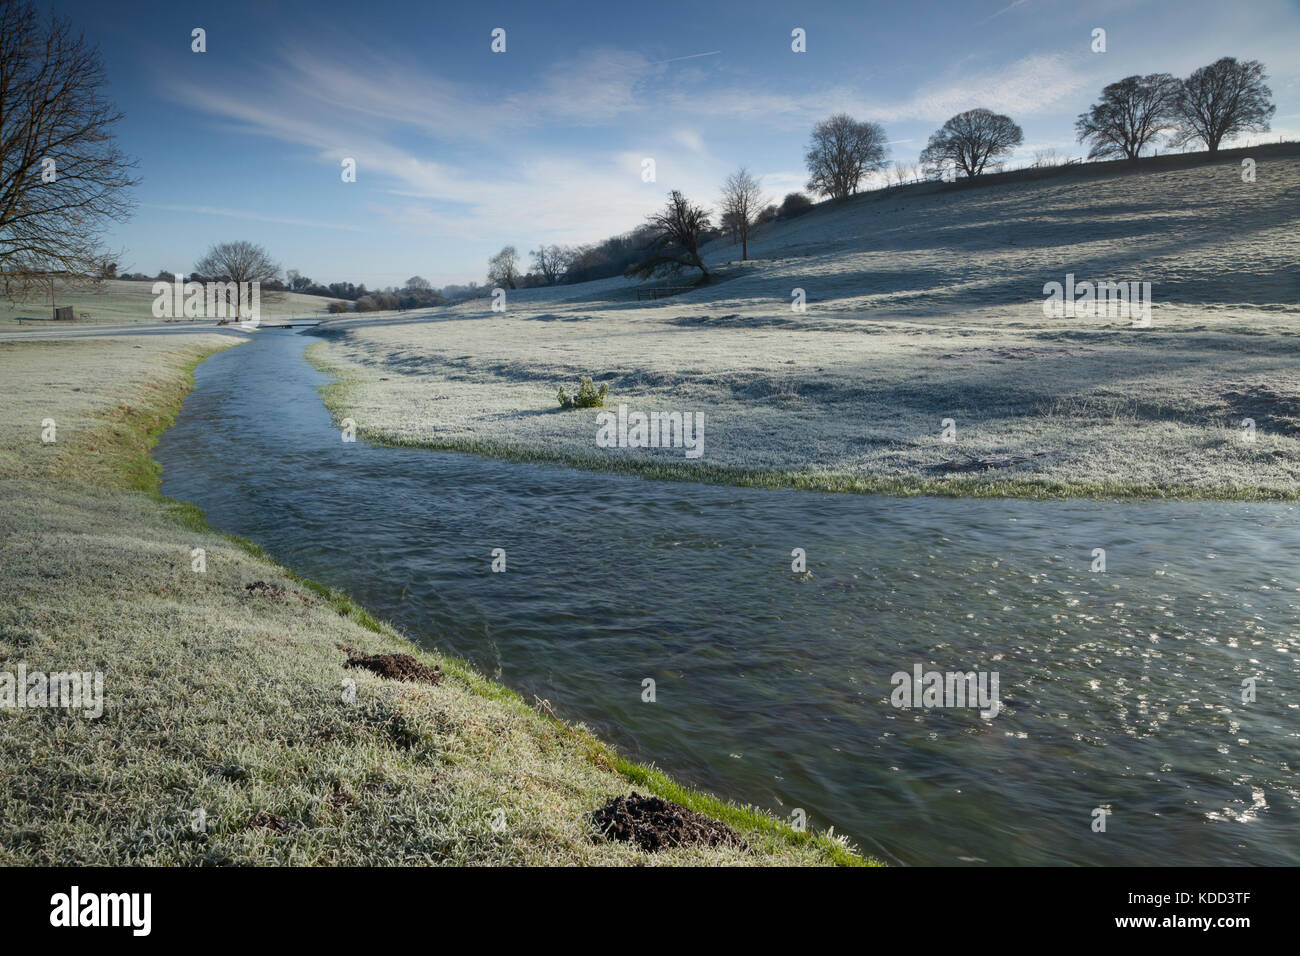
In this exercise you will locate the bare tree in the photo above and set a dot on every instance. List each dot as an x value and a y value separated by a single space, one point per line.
675 241
742 201
419 284
582 258
903 173
970 140
841 152
236 262
1130 115
62 177
1222 100
551 262
729 225
503 268
239 261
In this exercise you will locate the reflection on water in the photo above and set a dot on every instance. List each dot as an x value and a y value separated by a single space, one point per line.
1120 689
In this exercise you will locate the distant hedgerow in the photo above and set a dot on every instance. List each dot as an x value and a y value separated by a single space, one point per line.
587 396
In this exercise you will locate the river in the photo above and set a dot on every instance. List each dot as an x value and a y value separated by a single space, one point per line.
1122 690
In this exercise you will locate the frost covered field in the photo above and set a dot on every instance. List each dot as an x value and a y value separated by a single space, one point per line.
115 301
921 306
221 695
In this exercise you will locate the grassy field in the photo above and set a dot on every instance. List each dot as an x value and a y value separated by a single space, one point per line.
115 301
231 702
922 305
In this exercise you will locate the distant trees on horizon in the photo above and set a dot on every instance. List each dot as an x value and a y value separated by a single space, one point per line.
67 178
971 140
675 236
503 268
841 152
742 206
1216 102
550 262
1129 116
1223 99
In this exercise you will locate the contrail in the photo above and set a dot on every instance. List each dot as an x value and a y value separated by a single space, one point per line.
689 57
1009 7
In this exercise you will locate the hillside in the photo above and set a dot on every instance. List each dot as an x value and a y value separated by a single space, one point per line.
922 305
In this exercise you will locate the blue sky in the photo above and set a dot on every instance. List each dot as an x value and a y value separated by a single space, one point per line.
461 150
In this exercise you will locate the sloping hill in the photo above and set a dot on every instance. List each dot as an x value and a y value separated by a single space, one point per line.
923 305
1197 233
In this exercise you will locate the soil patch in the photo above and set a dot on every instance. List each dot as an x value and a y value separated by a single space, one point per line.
653 824
397 667
265 820
971 463
265 589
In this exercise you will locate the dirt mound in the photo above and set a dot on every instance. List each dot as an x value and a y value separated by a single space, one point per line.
264 589
656 824
397 667
265 820
971 463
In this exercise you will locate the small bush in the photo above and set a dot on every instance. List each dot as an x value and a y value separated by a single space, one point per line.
588 396
795 204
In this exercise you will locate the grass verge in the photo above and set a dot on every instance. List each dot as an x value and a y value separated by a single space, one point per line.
224 705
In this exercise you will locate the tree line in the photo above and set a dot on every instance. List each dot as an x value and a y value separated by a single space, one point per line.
1219 101
742 210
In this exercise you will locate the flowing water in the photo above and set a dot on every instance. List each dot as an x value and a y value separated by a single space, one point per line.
1120 690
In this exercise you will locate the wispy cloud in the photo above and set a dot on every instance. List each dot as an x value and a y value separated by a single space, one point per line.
1031 86
259 217
1007 9
493 179
553 153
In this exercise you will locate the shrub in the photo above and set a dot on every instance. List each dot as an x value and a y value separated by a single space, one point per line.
587 396
795 204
